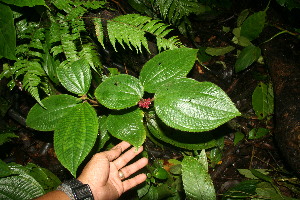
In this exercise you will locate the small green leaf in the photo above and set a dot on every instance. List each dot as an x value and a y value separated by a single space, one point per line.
128 125
242 16
263 100
193 106
7 33
257 133
23 3
166 66
253 25
160 173
119 92
196 180
238 136
57 106
219 51
247 56
75 77
261 176
75 135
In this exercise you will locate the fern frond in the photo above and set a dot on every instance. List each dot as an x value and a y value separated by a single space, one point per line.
175 10
99 30
130 30
91 56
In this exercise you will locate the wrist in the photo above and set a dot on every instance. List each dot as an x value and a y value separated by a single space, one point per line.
76 190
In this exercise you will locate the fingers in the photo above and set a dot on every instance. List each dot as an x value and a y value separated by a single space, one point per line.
116 151
127 156
130 169
130 183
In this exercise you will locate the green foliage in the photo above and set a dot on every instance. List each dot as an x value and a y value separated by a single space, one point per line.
263 100
130 29
25 182
290 4
167 66
57 58
196 180
23 3
119 92
246 57
188 105
75 135
6 137
7 33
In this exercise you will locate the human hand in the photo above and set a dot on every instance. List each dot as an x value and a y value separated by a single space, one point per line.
103 171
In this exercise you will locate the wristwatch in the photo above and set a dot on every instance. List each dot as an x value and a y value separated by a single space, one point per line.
76 190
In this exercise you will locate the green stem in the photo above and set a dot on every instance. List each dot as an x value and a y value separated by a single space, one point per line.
281 32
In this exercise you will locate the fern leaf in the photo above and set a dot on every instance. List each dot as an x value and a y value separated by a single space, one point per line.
130 30
175 10
90 54
99 30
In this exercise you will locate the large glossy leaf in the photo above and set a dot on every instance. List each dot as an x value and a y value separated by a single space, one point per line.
119 92
189 105
75 136
253 25
196 180
22 3
18 187
56 106
191 141
128 125
247 56
75 77
166 66
7 33
263 100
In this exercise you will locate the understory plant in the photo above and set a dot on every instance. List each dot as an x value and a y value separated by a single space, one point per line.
55 59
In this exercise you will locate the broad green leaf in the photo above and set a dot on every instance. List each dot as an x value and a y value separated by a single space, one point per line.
193 106
247 56
23 187
119 92
75 135
7 33
127 125
253 25
263 100
196 180
57 106
23 3
191 141
270 191
242 190
75 77
166 66
219 51
257 133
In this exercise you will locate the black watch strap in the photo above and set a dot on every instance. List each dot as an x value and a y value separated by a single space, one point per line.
76 190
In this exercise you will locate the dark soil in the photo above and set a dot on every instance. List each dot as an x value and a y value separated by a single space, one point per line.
36 147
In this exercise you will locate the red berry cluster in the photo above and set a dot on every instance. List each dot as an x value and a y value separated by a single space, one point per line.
144 103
